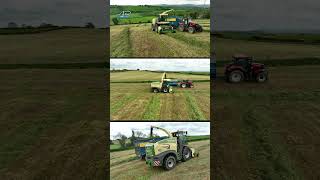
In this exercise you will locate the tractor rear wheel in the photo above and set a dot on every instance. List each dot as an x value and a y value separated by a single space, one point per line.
262 77
236 76
186 154
191 30
169 162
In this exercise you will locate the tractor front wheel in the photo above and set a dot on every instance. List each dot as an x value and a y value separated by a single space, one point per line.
169 162
236 76
262 77
186 154
191 30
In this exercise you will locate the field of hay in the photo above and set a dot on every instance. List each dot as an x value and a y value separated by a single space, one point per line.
138 40
225 48
52 121
271 128
124 166
134 100
76 45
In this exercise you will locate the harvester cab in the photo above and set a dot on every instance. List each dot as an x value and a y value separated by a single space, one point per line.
162 86
169 151
242 68
163 23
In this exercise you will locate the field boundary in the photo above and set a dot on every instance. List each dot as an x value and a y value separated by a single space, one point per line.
152 81
56 66
281 62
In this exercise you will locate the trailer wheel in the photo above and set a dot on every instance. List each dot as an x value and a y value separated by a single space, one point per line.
261 77
169 162
186 154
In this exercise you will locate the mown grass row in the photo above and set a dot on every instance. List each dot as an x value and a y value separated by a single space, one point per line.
189 40
121 45
195 112
121 102
267 155
152 111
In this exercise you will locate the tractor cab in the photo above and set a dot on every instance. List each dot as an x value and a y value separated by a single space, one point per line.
188 25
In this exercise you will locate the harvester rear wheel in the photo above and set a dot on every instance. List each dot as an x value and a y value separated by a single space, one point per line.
183 85
155 90
186 154
169 162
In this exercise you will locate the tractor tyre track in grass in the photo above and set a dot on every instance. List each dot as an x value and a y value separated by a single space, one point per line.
169 104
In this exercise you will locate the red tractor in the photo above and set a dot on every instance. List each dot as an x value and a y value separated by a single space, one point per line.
242 68
185 84
187 25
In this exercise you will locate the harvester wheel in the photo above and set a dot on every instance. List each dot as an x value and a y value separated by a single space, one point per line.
169 162
165 90
262 77
191 30
236 76
155 90
152 27
186 154
183 85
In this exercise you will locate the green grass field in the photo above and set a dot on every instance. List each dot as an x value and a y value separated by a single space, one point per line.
145 14
132 101
138 40
225 48
271 128
78 45
124 165
52 121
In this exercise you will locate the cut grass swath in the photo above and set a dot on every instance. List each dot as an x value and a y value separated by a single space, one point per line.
189 40
153 109
121 45
120 103
194 110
